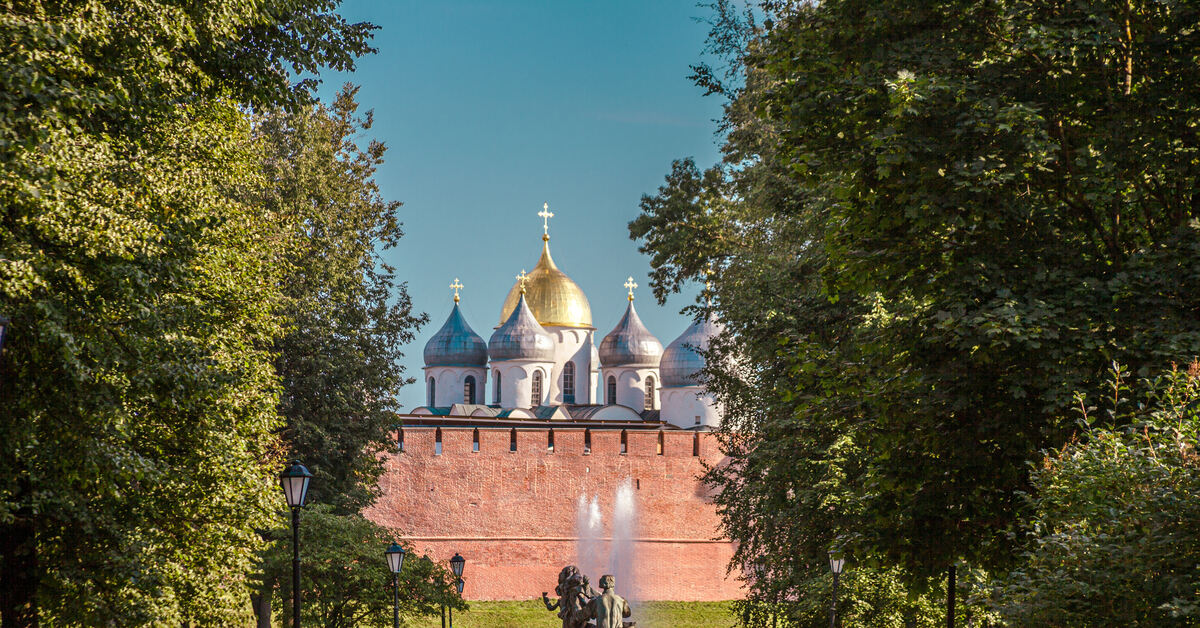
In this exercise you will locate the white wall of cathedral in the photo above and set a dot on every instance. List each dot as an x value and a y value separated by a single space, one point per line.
513 383
630 384
574 345
449 384
689 407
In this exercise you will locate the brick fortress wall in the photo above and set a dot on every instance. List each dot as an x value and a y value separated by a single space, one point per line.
512 514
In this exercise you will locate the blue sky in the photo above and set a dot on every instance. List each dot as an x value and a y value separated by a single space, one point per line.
490 109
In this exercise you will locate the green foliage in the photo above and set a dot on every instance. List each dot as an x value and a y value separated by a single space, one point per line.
346 316
345 581
1113 537
934 223
137 430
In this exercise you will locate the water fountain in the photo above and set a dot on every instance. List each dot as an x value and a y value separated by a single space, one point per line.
593 555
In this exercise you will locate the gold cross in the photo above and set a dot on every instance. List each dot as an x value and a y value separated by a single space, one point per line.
631 285
546 215
456 286
522 278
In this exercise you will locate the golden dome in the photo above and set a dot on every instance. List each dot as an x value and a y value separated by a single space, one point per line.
554 299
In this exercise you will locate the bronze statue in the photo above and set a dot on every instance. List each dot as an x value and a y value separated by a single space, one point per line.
608 609
578 602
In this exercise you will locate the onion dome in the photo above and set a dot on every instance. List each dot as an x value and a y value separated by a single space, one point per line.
682 361
521 337
552 296
630 343
456 344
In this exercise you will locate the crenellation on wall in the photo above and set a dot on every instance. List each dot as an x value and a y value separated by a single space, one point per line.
523 506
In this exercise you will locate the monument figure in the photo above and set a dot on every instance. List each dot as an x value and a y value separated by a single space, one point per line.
578 602
608 609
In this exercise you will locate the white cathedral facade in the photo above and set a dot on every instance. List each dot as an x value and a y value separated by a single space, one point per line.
543 361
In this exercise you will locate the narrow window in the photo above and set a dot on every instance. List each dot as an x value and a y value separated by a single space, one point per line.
696 444
496 391
469 389
569 382
512 439
697 419
637 484
475 441
587 441
612 390
660 443
537 388
649 393
624 442
400 441
437 442
550 442
432 393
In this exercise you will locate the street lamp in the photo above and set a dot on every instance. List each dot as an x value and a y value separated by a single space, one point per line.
456 565
835 565
294 481
395 559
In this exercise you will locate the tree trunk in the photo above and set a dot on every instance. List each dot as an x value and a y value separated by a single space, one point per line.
262 606
18 578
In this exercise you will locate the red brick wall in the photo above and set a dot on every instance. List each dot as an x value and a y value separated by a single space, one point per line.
512 515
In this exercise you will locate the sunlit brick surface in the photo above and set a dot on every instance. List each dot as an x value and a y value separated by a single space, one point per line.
512 515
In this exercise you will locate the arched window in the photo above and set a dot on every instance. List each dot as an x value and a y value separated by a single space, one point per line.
512 439
550 442
612 390
437 442
661 442
624 442
696 444
496 391
649 393
432 392
400 441
475 441
469 389
569 382
537 388
587 441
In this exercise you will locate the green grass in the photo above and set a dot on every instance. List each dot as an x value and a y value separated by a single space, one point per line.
533 615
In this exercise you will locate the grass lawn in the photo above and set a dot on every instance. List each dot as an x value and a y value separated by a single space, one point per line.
533 615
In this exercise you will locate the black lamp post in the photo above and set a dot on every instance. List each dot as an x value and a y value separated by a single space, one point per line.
294 481
395 558
835 565
456 566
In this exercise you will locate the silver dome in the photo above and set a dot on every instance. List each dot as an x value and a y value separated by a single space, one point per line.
456 344
682 361
521 337
630 343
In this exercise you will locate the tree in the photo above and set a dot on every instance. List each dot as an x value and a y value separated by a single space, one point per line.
933 224
1113 537
345 580
137 429
346 316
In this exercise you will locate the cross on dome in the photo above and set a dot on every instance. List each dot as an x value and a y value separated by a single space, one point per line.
456 286
546 215
521 279
629 283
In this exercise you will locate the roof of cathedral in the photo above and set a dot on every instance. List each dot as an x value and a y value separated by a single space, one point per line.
553 297
682 360
456 344
630 343
521 337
